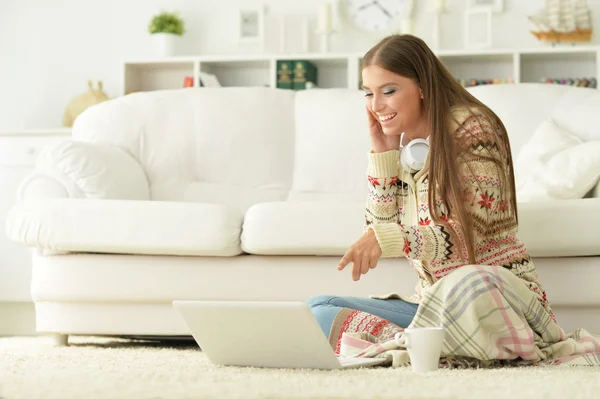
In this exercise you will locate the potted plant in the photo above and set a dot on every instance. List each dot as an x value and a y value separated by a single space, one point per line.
165 29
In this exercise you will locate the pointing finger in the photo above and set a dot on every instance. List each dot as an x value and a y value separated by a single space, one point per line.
356 269
343 262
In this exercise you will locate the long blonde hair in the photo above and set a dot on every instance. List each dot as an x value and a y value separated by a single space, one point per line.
409 56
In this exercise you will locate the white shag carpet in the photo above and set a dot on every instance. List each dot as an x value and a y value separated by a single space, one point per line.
108 368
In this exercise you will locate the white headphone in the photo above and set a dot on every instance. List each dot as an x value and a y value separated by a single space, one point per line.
414 154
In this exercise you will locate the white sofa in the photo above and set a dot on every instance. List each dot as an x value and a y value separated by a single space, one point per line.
252 194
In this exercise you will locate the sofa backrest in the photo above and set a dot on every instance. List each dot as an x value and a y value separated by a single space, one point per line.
221 145
331 142
242 146
524 106
331 146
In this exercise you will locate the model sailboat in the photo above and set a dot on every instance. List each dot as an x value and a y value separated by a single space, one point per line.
563 21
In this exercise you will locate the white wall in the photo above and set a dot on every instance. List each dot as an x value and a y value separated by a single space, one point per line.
50 48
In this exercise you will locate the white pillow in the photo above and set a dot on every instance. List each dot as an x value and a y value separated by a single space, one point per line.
555 165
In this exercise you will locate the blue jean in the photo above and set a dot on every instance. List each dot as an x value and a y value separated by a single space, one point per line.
326 307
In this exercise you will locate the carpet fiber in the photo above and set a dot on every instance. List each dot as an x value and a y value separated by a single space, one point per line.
108 368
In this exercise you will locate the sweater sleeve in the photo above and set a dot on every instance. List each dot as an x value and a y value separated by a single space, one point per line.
382 176
482 181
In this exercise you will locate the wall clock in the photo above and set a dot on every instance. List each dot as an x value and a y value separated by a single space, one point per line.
377 15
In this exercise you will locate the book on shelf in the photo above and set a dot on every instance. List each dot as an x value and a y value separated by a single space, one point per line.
304 72
208 80
188 81
204 80
296 74
284 74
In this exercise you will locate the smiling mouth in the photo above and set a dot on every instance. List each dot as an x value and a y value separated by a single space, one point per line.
387 118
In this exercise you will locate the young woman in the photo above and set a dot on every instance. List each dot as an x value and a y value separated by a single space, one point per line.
457 208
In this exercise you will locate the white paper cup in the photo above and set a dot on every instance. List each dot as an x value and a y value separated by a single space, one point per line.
424 346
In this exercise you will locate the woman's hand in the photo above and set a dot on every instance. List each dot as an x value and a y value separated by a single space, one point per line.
379 141
363 255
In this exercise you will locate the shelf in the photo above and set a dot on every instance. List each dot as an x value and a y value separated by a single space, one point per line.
579 56
480 66
162 61
320 61
156 75
474 53
342 70
564 49
538 66
232 64
484 57
331 72
537 50
239 72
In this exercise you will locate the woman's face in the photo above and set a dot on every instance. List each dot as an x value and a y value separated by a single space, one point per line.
393 99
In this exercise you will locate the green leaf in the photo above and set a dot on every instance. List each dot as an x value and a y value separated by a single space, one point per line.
167 22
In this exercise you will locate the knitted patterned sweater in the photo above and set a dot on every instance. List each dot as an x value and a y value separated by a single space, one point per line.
398 211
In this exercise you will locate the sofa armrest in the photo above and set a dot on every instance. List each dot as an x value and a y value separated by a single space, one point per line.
76 169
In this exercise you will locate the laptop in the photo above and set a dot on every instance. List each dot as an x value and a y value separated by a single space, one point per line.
263 334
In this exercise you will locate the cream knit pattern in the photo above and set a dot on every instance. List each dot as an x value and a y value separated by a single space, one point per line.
434 250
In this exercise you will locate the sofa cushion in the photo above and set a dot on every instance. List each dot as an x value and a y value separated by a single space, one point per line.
302 228
555 164
577 111
551 228
126 227
522 107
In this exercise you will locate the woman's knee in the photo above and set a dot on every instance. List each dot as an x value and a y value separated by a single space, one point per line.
319 300
323 311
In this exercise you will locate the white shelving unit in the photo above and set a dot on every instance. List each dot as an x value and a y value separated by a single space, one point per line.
342 69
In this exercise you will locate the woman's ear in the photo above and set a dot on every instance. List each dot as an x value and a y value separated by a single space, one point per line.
421 91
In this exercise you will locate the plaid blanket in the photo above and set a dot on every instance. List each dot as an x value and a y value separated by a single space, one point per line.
491 319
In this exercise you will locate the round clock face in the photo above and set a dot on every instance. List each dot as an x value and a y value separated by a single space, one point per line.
374 15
